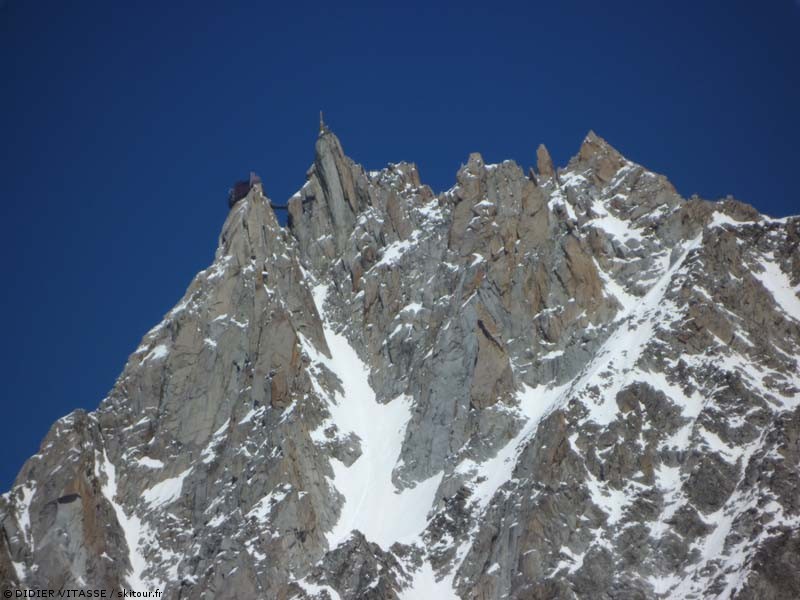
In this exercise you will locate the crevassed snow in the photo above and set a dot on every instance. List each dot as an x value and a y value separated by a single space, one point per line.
778 284
366 485
165 492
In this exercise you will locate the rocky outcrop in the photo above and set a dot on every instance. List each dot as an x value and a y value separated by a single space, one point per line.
544 164
570 384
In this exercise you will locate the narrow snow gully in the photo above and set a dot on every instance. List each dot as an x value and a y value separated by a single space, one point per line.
370 496
132 527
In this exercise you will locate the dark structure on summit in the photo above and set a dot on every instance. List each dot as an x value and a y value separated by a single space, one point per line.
241 188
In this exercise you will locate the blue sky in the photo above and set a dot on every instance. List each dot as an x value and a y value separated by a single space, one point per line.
123 124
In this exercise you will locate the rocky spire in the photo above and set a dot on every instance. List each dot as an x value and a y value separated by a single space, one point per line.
322 214
544 163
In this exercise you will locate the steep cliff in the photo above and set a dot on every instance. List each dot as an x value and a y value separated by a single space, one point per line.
571 383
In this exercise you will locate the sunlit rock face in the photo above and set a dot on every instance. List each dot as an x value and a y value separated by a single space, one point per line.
565 383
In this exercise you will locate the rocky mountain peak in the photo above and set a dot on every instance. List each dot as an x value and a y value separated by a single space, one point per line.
599 157
544 163
577 387
323 212
252 230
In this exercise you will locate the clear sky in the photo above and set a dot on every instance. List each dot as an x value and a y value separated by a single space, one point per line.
123 124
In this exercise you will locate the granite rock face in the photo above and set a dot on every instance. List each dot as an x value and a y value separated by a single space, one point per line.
571 383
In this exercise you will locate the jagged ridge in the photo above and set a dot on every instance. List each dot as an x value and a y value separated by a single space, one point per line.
571 383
